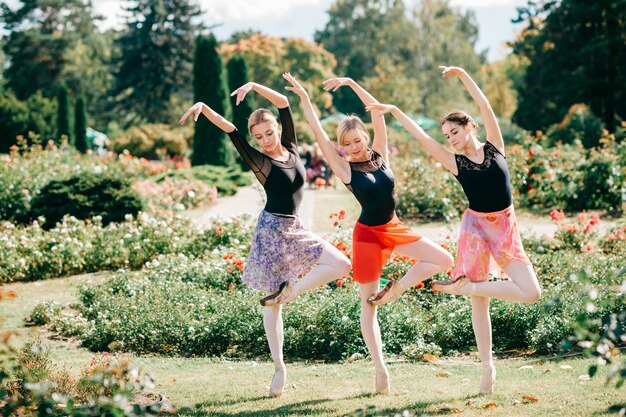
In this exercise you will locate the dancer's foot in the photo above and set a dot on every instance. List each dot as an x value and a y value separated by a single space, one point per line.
382 381
390 293
488 380
458 286
278 382
285 294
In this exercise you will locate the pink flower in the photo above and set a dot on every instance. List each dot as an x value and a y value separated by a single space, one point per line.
557 215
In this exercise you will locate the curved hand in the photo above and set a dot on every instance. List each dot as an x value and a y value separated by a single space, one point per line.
380 107
196 110
242 91
295 87
447 72
335 83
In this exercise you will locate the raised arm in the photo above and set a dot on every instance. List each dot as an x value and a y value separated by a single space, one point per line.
277 99
254 158
489 118
380 129
214 117
340 166
434 148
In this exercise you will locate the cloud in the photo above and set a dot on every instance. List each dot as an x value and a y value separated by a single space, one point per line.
217 11
475 4
238 10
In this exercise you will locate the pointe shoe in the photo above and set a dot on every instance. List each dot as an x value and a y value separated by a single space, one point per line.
278 383
382 383
286 293
487 381
453 287
388 294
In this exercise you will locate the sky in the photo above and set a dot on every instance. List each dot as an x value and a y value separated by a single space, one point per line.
301 18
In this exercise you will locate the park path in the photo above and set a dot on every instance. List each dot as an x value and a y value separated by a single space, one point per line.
250 200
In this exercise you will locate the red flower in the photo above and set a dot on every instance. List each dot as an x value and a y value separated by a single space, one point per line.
420 285
217 231
339 283
557 215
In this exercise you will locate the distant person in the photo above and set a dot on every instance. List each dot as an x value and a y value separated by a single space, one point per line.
282 247
378 232
488 228
316 167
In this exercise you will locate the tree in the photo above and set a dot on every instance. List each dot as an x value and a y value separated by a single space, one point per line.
572 49
80 125
360 33
451 36
41 34
63 114
156 57
381 41
210 145
268 57
237 69
17 117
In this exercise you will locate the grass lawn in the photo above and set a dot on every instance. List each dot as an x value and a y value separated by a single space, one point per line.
215 387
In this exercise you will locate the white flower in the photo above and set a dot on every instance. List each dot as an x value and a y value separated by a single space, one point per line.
191 193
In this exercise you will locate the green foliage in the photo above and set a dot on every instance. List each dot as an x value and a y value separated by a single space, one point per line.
41 35
198 306
226 179
80 125
382 43
84 196
152 140
210 145
18 118
238 75
77 246
601 333
578 125
63 114
586 39
268 57
31 384
44 313
438 198
156 58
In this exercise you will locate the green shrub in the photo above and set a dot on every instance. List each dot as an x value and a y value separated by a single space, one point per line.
578 125
44 312
84 196
146 140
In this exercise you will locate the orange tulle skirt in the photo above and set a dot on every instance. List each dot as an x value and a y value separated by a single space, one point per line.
372 247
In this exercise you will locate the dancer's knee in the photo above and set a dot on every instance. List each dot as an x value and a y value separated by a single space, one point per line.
342 266
448 261
532 296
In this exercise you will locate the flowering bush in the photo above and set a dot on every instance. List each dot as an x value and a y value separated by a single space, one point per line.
427 191
576 235
32 385
568 177
600 335
77 246
166 187
187 305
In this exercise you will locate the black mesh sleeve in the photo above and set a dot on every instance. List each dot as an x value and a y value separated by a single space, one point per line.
288 136
258 163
